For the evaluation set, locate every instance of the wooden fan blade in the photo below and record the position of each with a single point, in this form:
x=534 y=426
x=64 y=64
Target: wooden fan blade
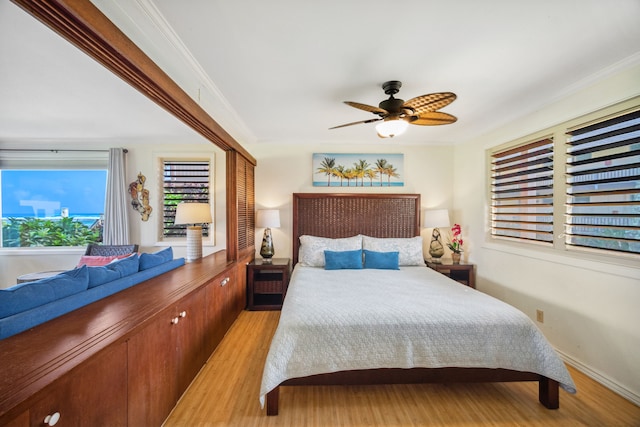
x=365 y=107
x=431 y=102
x=356 y=123
x=433 y=118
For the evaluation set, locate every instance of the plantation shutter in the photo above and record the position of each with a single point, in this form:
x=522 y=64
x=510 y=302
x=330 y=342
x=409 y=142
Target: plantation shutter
x=603 y=185
x=183 y=181
x=522 y=192
x=246 y=204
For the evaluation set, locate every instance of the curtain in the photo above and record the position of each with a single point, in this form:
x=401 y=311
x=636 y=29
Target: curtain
x=116 y=226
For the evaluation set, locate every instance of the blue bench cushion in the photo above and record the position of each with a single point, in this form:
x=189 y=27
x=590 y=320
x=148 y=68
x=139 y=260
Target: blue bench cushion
x=28 y=295
x=29 y=318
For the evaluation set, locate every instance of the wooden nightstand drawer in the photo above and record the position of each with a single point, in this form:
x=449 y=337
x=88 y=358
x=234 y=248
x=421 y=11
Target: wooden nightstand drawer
x=267 y=282
x=268 y=287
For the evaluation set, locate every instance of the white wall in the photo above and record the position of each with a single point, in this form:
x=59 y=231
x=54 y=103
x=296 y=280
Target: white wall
x=284 y=169
x=141 y=158
x=146 y=159
x=590 y=306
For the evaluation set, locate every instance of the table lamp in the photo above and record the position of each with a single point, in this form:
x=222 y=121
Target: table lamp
x=267 y=218
x=194 y=215
x=434 y=219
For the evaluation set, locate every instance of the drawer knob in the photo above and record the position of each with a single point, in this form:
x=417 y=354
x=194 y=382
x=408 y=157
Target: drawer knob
x=52 y=419
x=183 y=314
x=175 y=320
x=224 y=281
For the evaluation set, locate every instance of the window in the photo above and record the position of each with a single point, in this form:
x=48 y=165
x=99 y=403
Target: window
x=52 y=207
x=52 y=197
x=522 y=192
x=603 y=185
x=590 y=204
x=183 y=180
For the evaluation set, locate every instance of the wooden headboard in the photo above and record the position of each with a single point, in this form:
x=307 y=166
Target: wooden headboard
x=345 y=215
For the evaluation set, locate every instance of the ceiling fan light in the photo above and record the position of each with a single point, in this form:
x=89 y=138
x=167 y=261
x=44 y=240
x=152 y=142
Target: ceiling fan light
x=392 y=127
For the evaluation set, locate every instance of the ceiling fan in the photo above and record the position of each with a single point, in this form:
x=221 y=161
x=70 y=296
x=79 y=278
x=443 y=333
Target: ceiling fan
x=395 y=114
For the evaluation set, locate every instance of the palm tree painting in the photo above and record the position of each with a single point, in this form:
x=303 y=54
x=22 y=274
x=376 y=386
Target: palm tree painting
x=358 y=170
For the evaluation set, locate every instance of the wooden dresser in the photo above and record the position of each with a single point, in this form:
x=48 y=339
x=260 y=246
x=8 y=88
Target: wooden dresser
x=126 y=359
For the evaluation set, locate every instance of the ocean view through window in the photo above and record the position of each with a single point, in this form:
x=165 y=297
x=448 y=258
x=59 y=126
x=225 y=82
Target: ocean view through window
x=57 y=207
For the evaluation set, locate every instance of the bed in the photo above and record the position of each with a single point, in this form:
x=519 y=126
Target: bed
x=394 y=323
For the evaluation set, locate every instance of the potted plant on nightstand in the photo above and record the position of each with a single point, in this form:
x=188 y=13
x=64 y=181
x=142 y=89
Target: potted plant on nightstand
x=455 y=243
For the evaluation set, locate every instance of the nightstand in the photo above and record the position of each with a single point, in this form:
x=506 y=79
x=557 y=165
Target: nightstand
x=267 y=282
x=463 y=273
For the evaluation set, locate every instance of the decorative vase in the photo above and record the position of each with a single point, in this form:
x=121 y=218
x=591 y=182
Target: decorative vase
x=266 y=250
x=455 y=256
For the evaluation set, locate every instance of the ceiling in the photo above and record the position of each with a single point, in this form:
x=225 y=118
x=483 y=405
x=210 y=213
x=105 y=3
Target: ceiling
x=278 y=71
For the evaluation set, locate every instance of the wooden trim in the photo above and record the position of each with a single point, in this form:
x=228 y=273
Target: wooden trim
x=86 y=27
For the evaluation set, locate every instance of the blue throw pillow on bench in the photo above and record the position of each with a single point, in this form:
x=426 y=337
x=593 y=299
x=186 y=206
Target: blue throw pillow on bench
x=125 y=266
x=101 y=275
x=28 y=295
x=343 y=260
x=151 y=260
x=381 y=260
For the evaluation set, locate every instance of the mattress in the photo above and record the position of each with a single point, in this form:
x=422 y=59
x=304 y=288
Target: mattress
x=339 y=320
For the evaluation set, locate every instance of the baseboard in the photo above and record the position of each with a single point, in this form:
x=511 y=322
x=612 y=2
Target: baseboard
x=600 y=378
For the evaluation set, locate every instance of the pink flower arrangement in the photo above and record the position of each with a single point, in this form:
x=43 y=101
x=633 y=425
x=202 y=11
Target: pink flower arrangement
x=456 y=242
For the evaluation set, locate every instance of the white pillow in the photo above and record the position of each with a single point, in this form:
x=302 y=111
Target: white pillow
x=410 y=249
x=311 y=252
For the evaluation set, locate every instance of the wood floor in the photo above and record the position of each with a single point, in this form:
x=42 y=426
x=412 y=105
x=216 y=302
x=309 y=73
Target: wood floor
x=225 y=393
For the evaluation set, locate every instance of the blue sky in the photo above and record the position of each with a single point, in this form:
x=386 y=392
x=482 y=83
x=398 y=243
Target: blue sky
x=48 y=191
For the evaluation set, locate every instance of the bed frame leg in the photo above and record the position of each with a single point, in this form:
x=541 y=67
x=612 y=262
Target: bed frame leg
x=548 y=393
x=272 y=401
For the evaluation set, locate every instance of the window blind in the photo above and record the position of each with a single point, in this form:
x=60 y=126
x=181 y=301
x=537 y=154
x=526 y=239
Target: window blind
x=603 y=185
x=53 y=159
x=183 y=181
x=522 y=192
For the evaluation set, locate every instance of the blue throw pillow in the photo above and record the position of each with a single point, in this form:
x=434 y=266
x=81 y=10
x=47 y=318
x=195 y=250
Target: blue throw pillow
x=125 y=266
x=151 y=260
x=26 y=296
x=343 y=260
x=101 y=275
x=381 y=260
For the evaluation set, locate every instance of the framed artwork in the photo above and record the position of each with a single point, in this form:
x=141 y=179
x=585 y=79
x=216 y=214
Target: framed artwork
x=358 y=170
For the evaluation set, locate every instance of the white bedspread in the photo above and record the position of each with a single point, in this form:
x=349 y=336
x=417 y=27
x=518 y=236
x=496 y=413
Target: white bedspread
x=341 y=320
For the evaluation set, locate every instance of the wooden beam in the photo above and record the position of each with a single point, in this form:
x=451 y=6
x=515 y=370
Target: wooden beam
x=86 y=27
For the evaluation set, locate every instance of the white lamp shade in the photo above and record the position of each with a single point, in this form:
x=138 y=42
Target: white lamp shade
x=193 y=213
x=268 y=218
x=391 y=128
x=436 y=218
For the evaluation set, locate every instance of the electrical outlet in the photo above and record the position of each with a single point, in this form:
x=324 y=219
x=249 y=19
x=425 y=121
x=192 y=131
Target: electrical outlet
x=540 y=316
